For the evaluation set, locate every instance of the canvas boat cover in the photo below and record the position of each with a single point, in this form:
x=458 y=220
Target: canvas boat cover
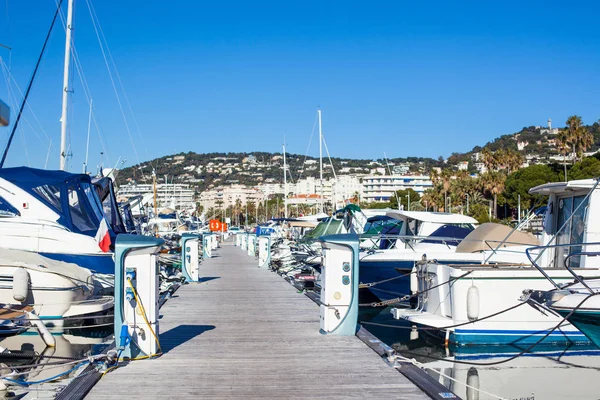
x=489 y=235
x=35 y=261
x=323 y=229
x=302 y=224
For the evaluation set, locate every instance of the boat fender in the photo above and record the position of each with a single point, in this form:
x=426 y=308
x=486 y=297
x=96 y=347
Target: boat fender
x=414 y=281
x=473 y=303
x=20 y=284
x=473 y=384
x=42 y=329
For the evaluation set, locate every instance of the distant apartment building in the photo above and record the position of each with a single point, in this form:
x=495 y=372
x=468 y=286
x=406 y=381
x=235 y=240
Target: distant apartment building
x=225 y=196
x=178 y=196
x=345 y=187
x=381 y=188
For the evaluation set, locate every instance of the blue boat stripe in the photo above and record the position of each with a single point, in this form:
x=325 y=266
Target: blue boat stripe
x=516 y=332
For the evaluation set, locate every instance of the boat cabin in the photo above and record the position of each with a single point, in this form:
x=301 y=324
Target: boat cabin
x=572 y=209
x=61 y=197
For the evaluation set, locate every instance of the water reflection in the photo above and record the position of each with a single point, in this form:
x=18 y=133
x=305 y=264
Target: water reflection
x=549 y=372
x=28 y=349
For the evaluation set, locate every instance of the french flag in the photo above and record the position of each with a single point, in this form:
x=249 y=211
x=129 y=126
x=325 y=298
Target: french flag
x=103 y=237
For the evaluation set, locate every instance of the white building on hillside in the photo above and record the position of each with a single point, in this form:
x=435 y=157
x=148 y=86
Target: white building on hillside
x=381 y=188
x=176 y=195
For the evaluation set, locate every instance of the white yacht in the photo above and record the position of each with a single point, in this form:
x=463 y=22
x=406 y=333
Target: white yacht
x=479 y=303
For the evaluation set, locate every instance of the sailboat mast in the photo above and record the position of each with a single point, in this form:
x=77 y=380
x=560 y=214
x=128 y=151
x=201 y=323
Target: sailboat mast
x=65 y=95
x=320 y=161
x=285 y=189
x=87 y=145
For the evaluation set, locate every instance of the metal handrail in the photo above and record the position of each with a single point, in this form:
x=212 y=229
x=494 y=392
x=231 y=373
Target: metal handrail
x=567 y=267
x=584 y=202
x=441 y=239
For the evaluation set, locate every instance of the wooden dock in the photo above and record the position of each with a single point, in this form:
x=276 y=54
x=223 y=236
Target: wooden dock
x=245 y=333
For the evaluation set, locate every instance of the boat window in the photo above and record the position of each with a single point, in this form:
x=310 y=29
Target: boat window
x=577 y=229
x=81 y=219
x=6 y=209
x=92 y=197
x=50 y=194
x=573 y=231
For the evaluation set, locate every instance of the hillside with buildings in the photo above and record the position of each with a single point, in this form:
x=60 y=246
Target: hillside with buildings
x=221 y=180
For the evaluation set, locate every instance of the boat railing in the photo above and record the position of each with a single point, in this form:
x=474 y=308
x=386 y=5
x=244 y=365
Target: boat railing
x=410 y=240
x=566 y=265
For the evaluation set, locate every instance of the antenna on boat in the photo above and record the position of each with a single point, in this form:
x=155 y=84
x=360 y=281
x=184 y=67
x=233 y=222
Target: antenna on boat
x=65 y=95
x=390 y=172
x=285 y=191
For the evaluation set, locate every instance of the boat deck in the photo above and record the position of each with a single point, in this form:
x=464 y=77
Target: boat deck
x=245 y=333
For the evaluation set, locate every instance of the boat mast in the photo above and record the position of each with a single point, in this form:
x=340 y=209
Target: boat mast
x=320 y=161
x=87 y=145
x=154 y=189
x=285 y=189
x=65 y=95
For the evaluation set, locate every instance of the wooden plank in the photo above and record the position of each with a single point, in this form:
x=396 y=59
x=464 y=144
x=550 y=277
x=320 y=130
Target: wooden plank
x=244 y=332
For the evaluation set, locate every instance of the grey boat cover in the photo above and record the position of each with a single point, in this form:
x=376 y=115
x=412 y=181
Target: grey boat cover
x=35 y=261
x=489 y=235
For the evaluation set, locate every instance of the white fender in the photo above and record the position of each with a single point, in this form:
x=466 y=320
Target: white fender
x=414 y=281
x=473 y=303
x=20 y=284
x=42 y=329
x=473 y=381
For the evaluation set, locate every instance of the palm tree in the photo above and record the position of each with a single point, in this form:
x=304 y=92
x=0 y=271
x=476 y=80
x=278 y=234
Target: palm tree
x=512 y=160
x=434 y=175
x=432 y=199
x=489 y=160
x=492 y=182
x=446 y=183
x=577 y=136
x=563 y=147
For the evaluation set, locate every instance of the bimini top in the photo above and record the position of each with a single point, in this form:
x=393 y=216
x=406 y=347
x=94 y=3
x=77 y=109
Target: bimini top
x=563 y=187
x=428 y=216
x=69 y=196
x=26 y=177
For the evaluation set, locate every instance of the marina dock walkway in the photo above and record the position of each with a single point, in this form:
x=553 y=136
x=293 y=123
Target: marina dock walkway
x=245 y=333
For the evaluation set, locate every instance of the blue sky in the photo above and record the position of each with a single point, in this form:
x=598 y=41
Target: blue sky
x=404 y=78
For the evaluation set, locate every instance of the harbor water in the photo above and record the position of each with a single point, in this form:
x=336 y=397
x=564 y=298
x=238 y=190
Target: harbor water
x=33 y=370
x=492 y=372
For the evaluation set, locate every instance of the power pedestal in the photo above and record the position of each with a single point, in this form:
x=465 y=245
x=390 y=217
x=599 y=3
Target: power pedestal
x=190 y=256
x=339 y=285
x=206 y=246
x=251 y=244
x=136 y=295
x=264 y=251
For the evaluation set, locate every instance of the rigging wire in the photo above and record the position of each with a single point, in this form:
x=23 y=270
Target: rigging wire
x=10 y=82
x=133 y=117
x=86 y=89
x=13 y=101
x=112 y=80
x=16 y=124
x=308 y=147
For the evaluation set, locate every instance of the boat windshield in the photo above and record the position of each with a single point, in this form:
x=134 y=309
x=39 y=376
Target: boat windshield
x=90 y=193
x=7 y=209
x=50 y=194
x=82 y=220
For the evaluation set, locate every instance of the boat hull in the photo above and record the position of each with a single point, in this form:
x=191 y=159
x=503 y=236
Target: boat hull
x=500 y=318
x=100 y=263
x=588 y=322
